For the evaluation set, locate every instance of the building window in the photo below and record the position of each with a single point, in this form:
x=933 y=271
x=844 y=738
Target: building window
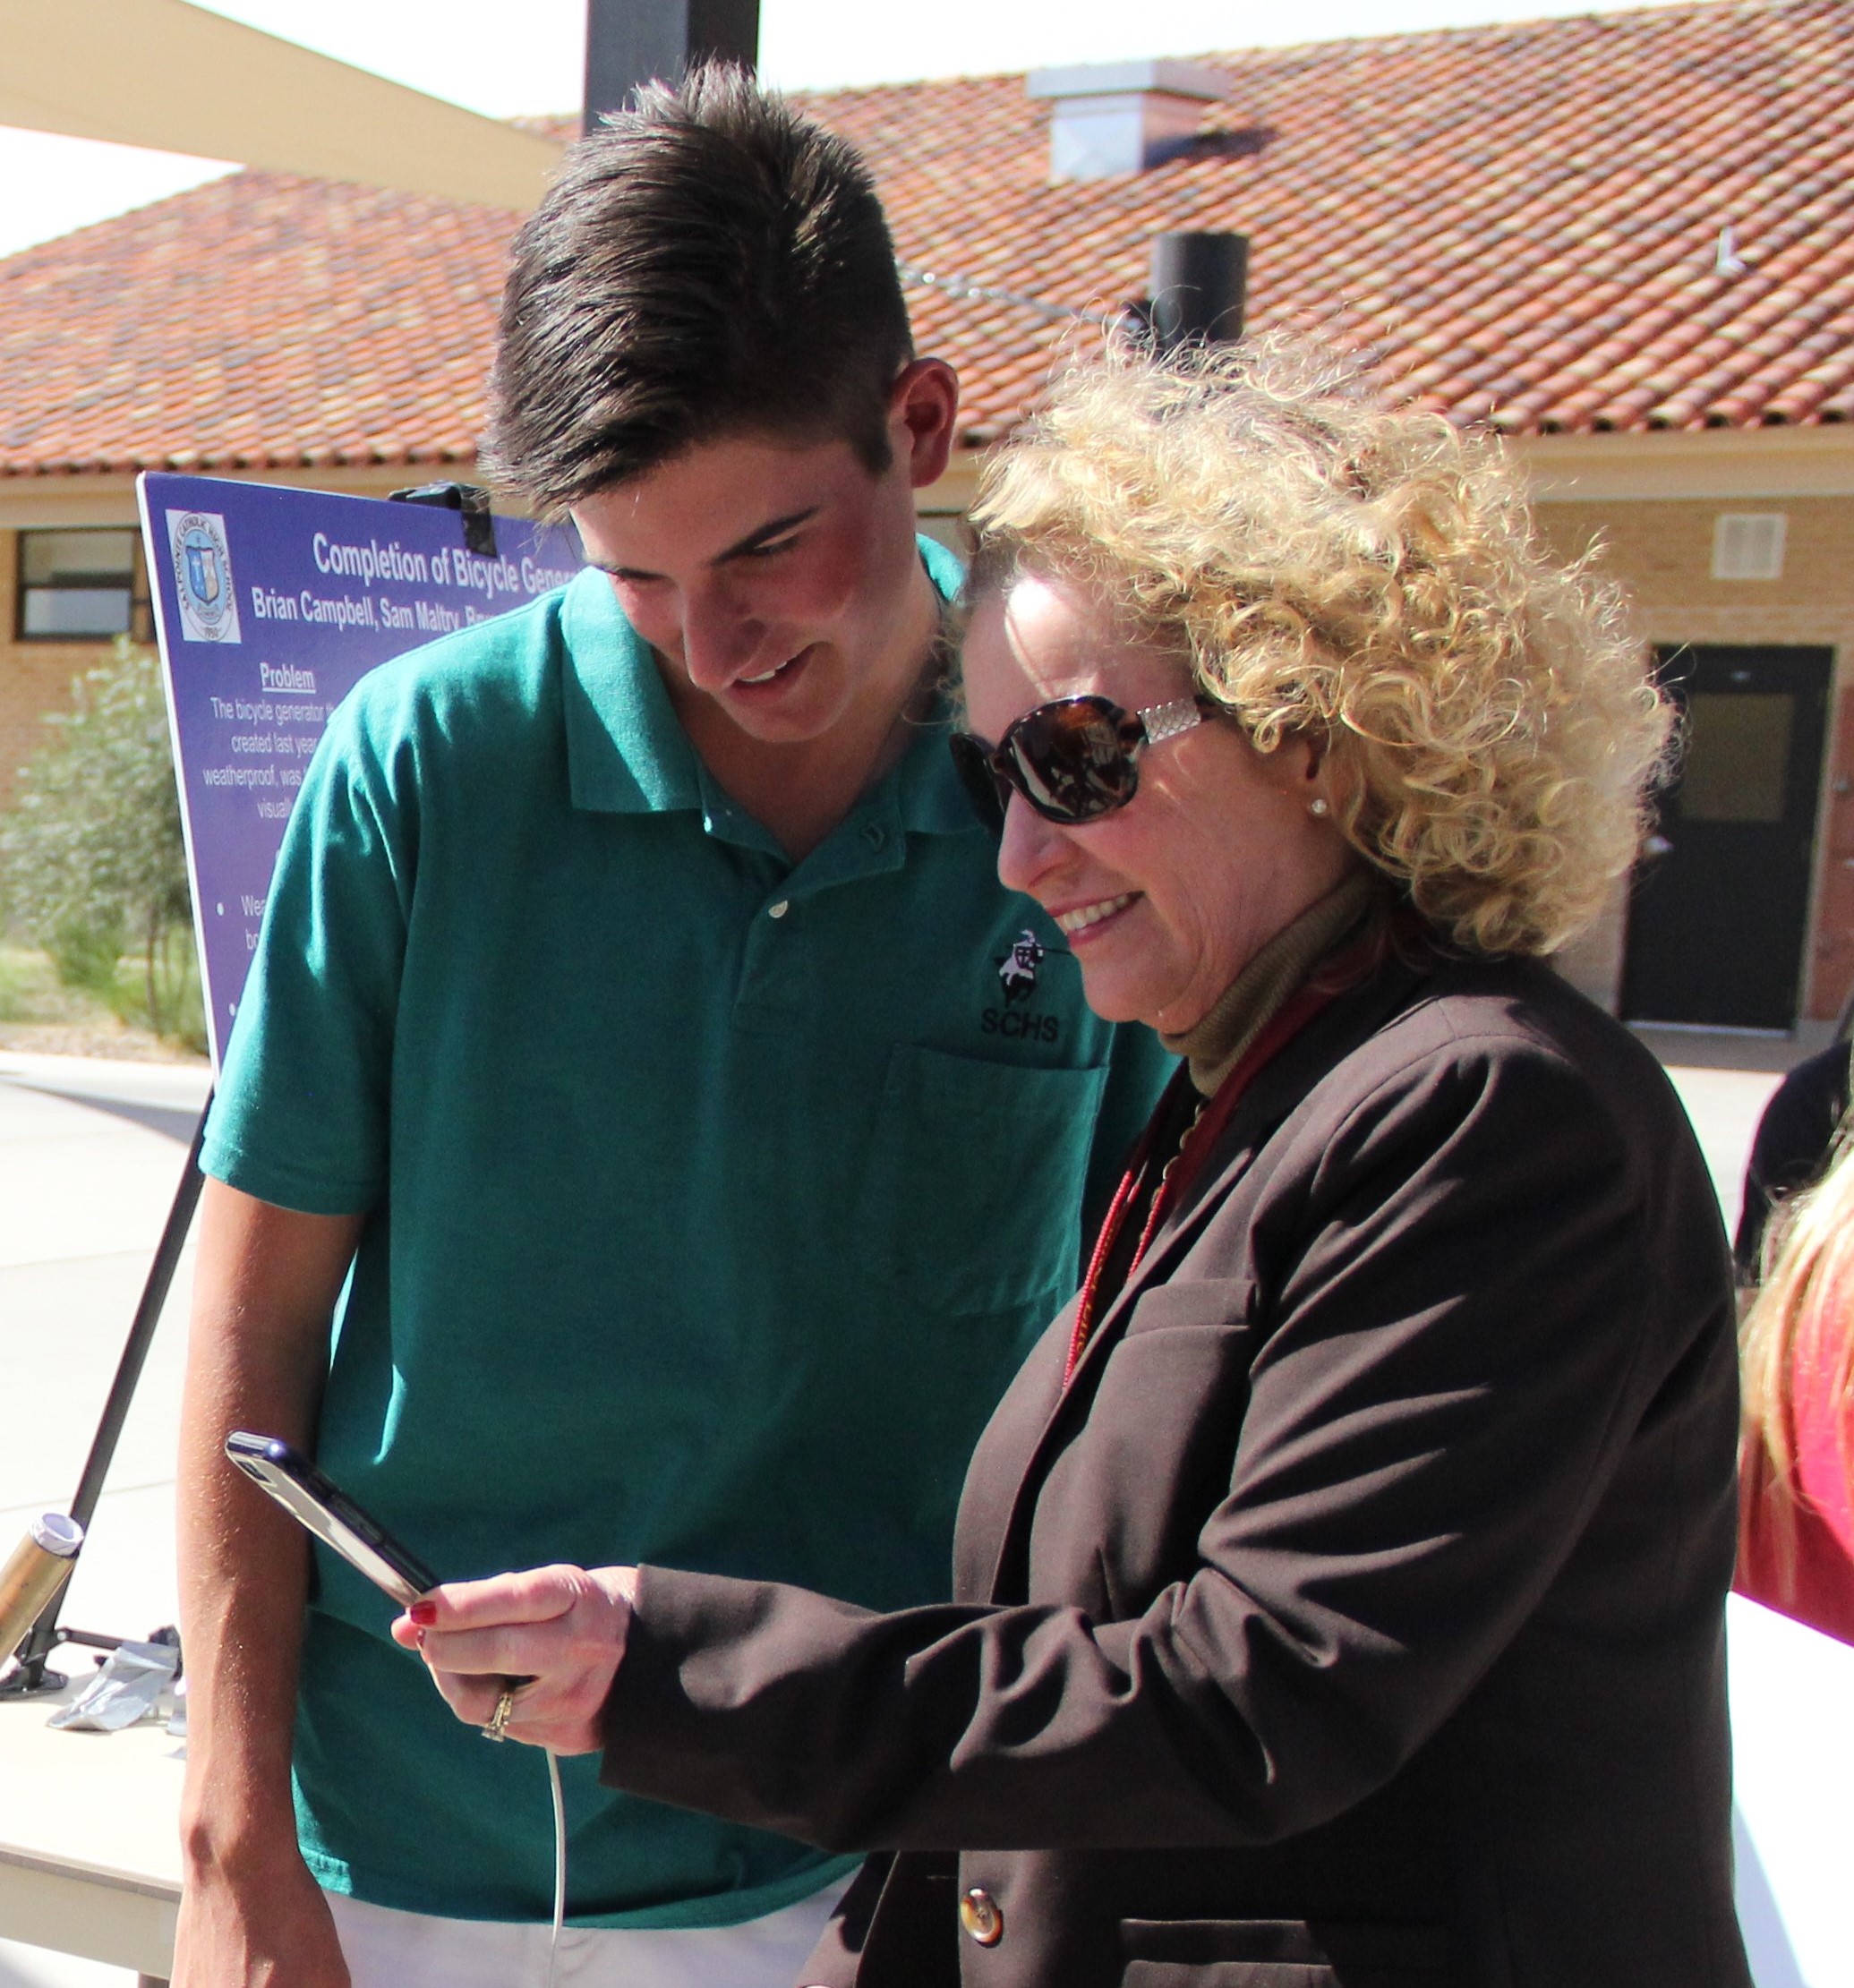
x=81 y=586
x=1748 y=545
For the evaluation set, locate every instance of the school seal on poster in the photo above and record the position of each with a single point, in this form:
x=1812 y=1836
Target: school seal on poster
x=202 y=576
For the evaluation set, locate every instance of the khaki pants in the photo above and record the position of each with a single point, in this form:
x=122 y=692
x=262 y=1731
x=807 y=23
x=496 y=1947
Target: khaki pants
x=408 y=1949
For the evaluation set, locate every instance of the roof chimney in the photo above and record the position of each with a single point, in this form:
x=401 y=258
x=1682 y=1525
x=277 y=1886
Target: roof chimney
x=629 y=42
x=1122 y=117
x=1200 y=284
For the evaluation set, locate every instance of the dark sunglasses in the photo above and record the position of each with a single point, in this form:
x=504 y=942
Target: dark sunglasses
x=1073 y=759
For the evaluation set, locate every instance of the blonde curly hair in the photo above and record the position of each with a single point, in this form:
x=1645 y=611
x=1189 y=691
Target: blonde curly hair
x=1800 y=1326
x=1369 y=575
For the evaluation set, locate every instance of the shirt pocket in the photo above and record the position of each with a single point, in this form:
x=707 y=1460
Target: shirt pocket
x=1281 y=1953
x=971 y=1201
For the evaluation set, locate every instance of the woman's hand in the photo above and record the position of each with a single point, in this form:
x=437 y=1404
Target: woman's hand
x=563 y=1628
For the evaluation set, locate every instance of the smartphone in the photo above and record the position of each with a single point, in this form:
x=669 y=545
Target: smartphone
x=334 y=1517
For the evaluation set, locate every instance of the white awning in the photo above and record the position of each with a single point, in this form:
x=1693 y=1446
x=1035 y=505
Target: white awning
x=174 y=77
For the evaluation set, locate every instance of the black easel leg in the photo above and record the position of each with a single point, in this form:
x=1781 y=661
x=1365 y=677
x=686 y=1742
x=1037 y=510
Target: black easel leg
x=31 y=1674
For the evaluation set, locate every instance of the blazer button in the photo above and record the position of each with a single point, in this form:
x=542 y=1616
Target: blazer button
x=982 y=1916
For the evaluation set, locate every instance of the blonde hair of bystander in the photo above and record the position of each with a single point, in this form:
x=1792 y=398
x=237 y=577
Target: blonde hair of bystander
x=1798 y=1335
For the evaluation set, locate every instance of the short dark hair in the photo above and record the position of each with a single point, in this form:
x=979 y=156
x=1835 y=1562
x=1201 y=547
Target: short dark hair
x=709 y=263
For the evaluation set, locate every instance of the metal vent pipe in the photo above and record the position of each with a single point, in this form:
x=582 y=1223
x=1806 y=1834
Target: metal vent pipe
x=628 y=42
x=1200 y=284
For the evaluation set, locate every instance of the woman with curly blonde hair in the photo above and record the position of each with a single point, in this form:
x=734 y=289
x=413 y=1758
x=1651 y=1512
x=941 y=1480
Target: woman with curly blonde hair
x=1796 y=1463
x=1339 y=1588
x=1371 y=576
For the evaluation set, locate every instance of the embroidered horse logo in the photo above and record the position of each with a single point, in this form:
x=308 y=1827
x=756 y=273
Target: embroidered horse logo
x=1017 y=969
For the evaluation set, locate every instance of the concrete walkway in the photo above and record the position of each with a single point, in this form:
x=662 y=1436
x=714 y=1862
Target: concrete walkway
x=90 y=1156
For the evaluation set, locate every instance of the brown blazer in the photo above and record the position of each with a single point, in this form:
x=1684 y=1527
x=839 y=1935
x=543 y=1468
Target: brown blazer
x=1355 y=1617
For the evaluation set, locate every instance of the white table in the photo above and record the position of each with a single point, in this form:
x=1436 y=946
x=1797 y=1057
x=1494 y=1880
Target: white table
x=1792 y=1729
x=89 y=1845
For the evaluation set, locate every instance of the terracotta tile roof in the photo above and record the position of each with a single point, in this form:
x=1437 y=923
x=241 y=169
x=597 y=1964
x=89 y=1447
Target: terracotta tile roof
x=261 y=321
x=1516 y=223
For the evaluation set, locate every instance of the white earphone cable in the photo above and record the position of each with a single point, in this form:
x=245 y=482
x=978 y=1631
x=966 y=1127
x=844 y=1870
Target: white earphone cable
x=560 y=1863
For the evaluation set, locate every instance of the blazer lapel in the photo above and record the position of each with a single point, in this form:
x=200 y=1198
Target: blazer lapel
x=1278 y=1090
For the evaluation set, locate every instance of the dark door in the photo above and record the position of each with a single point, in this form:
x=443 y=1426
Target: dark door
x=1721 y=894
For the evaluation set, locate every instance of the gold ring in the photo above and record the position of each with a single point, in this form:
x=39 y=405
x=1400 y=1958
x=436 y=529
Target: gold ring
x=498 y=1727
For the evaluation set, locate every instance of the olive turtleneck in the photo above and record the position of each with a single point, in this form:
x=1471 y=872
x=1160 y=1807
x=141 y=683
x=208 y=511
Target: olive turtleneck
x=1252 y=999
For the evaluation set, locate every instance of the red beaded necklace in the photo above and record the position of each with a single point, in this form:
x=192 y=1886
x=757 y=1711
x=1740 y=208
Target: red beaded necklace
x=1212 y=1117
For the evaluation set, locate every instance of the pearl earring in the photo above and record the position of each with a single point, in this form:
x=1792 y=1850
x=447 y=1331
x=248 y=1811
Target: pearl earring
x=1317 y=805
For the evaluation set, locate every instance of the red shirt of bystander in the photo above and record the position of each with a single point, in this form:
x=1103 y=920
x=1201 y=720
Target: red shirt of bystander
x=1818 y=1588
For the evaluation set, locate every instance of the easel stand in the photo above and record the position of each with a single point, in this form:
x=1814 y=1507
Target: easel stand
x=30 y=1676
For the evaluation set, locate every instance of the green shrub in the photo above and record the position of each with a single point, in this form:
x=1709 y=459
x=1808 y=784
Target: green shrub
x=92 y=867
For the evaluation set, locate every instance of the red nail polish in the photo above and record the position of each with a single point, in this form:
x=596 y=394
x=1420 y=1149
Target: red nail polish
x=424 y=1613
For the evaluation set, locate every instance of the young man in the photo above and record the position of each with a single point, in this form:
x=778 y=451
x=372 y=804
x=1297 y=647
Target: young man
x=641 y=1070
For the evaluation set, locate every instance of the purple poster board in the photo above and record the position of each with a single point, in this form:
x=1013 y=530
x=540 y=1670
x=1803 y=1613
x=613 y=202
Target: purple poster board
x=270 y=605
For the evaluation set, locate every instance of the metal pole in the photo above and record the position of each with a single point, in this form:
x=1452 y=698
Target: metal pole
x=628 y=42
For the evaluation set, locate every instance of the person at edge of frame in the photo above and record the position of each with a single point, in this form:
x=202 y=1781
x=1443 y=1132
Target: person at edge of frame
x=642 y=1073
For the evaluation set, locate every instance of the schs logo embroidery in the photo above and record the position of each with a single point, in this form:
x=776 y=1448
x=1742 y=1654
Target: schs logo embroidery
x=202 y=576
x=1017 y=976
x=1017 y=971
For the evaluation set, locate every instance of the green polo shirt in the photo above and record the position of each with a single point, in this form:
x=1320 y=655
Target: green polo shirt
x=713 y=1200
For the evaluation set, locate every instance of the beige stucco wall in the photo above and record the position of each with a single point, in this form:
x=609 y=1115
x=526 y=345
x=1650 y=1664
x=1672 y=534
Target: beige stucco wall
x=1662 y=551
x=1663 y=554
